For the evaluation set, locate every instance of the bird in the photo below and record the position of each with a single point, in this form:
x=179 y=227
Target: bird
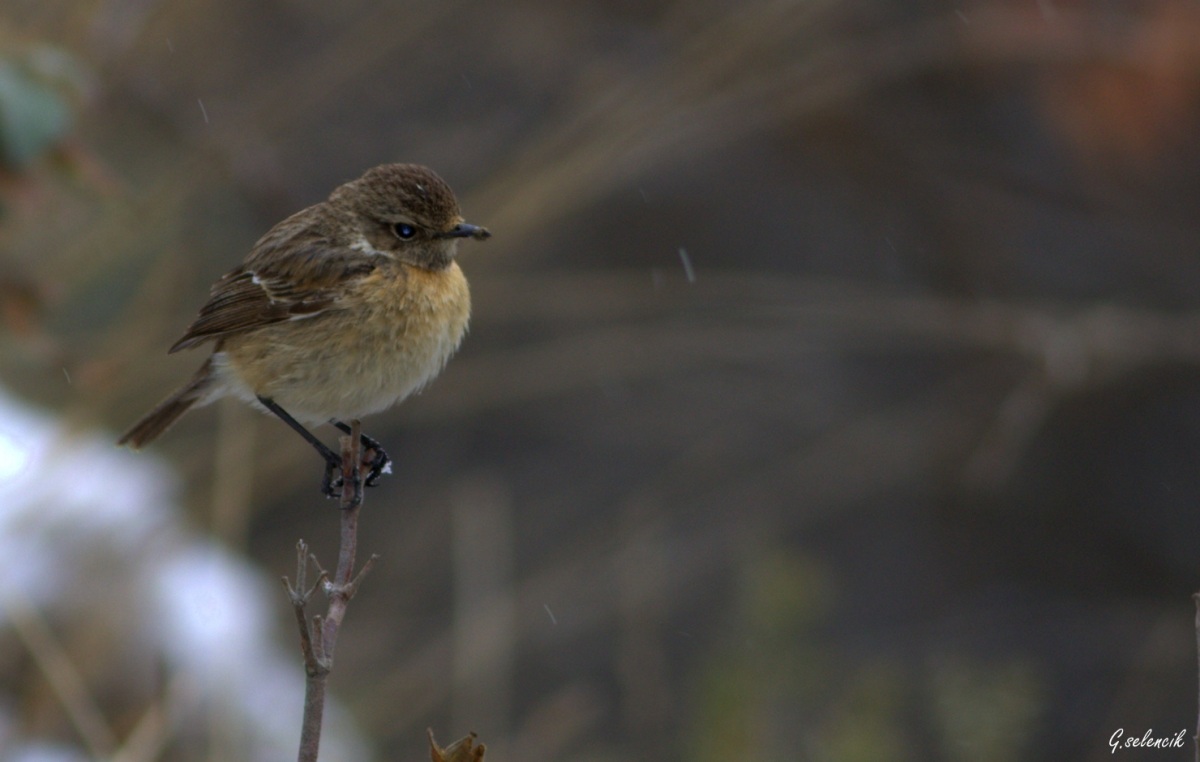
x=341 y=310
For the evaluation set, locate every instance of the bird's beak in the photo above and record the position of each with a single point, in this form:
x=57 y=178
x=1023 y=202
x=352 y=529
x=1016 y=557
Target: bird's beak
x=465 y=230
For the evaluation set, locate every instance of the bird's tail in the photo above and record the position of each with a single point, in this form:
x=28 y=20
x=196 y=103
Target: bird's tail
x=162 y=417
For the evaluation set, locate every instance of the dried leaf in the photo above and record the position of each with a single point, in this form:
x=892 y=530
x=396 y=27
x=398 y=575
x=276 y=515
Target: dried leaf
x=462 y=750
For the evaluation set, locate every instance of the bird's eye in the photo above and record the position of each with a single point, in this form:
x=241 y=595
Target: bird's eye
x=404 y=231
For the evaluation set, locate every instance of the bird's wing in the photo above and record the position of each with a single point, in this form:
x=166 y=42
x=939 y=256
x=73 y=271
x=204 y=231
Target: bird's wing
x=298 y=284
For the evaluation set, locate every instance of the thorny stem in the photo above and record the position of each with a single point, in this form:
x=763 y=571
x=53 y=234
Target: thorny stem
x=318 y=638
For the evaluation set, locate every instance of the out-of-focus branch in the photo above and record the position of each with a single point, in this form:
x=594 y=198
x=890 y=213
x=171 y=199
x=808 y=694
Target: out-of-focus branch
x=773 y=320
x=64 y=679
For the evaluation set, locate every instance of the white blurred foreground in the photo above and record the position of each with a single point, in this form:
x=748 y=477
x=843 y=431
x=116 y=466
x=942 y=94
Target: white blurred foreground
x=145 y=640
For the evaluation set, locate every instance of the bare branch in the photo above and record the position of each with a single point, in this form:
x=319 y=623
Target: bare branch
x=318 y=641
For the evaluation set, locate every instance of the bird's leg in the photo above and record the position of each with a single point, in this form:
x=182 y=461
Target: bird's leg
x=333 y=461
x=380 y=462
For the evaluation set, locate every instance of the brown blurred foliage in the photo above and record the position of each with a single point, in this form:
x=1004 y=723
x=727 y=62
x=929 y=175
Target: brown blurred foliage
x=463 y=750
x=832 y=380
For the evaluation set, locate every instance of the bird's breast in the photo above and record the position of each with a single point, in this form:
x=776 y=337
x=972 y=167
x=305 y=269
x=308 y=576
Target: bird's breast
x=390 y=336
x=414 y=318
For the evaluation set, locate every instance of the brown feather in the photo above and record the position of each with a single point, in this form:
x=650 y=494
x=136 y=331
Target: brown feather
x=164 y=415
x=247 y=299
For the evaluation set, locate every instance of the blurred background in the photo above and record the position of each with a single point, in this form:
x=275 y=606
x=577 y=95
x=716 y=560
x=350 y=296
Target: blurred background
x=832 y=390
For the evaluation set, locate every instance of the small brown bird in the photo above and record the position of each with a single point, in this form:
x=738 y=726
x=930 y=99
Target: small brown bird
x=341 y=310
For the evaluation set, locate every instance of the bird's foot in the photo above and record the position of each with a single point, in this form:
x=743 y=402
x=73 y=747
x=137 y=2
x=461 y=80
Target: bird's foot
x=375 y=458
x=332 y=482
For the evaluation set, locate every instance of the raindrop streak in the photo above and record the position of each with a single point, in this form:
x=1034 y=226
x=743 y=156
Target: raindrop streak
x=553 y=621
x=687 y=265
x=203 y=111
x=68 y=375
x=170 y=47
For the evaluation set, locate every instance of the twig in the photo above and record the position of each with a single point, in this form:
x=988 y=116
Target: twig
x=318 y=638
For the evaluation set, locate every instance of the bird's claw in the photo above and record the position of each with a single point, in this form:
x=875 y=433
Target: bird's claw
x=378 y=465
x=376 y=461
x=332 y=487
